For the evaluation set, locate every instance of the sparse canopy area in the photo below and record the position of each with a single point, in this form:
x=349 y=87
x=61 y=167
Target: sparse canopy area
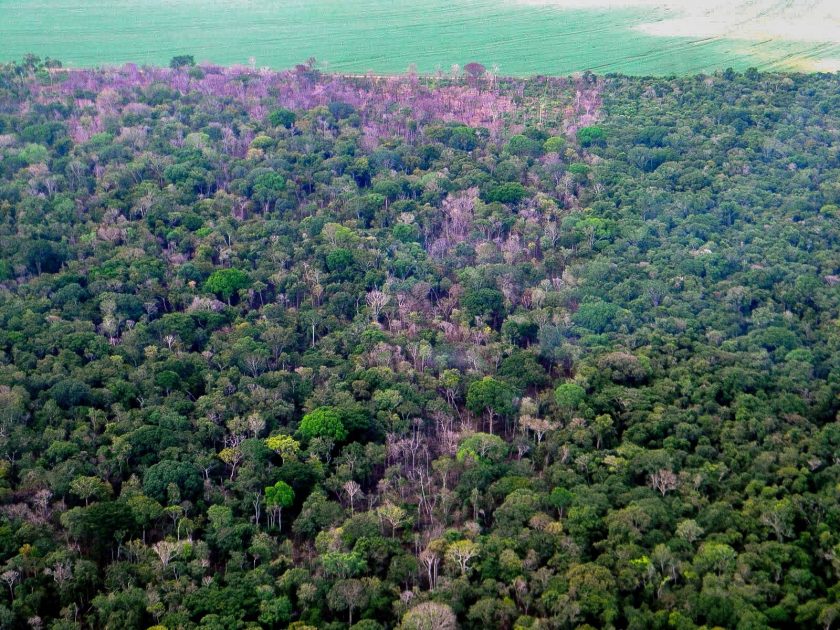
x=308 y=351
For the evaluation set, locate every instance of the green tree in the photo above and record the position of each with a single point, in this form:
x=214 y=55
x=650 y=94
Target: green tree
x=277 y=497
x=285 y=446
x=463 y=138
x=324 y=422
x=516 y=510
x=560 y=499
x=487 y=304
x=569 y=397
x=555 y=144
x=342 y=565
x=589 y=136
x=181 y=61
x=157 y=479
x=492 y=398
x=88 y=488
x=227 y=282
x=524 y=146
x=276 y=611
x=593 y=588
x=509 y=192
x=43 y=256
x=482 y=447
x=267 y=188
x=145 y=511
x=282 y=118
x=597 y=316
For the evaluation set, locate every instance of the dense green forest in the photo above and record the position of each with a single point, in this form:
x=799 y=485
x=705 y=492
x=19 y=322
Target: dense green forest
x=289 y=349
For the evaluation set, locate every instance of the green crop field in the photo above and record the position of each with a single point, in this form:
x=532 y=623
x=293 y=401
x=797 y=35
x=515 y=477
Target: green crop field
x=383 y=36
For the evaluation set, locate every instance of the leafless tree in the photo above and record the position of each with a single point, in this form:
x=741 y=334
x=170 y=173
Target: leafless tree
x=352 y=490
x=376 y=301
x=165 y=551
x=11 y=578
x=663 y=481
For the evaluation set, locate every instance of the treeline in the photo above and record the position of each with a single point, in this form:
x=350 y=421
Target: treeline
x=299 y=350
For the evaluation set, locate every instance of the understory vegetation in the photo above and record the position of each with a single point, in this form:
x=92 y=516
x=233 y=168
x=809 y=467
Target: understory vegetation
x=301 y=350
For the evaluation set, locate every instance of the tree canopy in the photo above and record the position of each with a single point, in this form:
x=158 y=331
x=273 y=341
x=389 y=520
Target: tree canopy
x=294 y=349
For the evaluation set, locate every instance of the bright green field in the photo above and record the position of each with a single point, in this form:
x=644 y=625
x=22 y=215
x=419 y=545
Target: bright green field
x=384 y=36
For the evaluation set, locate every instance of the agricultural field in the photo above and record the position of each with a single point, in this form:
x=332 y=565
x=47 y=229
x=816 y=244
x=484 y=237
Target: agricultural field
x=519 y=37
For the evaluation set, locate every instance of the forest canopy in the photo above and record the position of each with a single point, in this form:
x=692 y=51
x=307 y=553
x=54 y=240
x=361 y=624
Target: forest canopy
x=292 y=349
